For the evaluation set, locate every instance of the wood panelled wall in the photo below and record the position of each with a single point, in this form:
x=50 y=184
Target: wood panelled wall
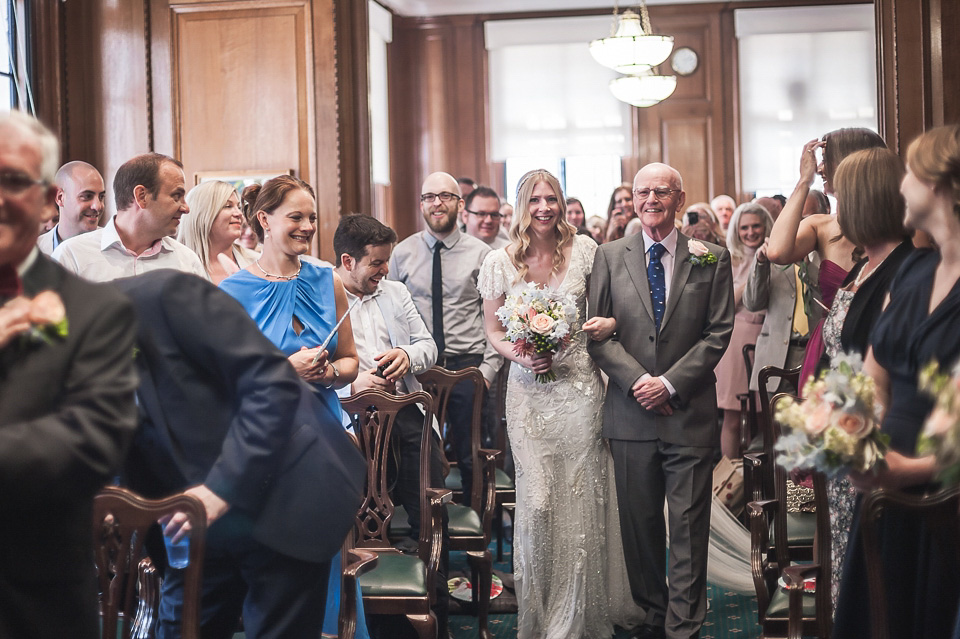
x=229 y=85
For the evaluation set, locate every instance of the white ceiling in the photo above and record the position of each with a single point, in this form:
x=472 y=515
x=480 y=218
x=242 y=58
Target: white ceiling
x=459 y=7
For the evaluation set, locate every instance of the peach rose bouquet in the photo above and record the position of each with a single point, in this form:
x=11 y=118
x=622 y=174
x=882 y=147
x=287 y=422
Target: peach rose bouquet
x=836 y=428
x=538 y=320
x=941 y=431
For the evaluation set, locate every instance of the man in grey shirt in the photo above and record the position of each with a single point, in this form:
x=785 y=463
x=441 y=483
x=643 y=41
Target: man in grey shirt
x=440 y=266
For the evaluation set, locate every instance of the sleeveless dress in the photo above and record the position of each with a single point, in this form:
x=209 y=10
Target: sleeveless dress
x=273 y=305
x=830 y=279
x=920 y=571
x=570 y=573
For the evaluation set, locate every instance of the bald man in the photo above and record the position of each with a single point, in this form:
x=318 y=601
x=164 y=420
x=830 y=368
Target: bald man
x=723 y=206
x=80 y=197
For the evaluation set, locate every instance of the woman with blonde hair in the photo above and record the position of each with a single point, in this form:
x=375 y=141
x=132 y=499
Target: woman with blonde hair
x=571 y=577
x=212 y=229
x=749 y=227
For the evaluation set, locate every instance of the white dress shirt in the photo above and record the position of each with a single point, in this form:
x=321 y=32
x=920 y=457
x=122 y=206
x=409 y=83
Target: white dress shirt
x=100 y=256
x=668 y=259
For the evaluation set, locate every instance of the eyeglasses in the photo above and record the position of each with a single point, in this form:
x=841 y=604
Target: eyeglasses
x=495 y=216
x=657 y=193
x=446 y=196
x=16 y=183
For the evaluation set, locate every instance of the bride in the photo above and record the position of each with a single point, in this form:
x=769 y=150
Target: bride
x=571 y=578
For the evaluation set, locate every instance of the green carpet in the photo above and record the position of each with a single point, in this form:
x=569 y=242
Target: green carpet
x=729 y=615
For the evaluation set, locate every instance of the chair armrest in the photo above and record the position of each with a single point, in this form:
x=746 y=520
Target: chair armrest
x=489 y=498
x=762 y=572
x=359 y=562
x=756 y=460
x=431 y=548
x=794 y=576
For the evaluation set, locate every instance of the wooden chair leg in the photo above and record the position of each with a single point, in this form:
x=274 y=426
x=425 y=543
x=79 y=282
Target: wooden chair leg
x=482 y=568
x=425 y=625
x=498 y=525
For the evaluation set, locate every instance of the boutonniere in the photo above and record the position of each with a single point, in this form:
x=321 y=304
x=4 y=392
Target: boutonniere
x=700 y=255
x=48 y=318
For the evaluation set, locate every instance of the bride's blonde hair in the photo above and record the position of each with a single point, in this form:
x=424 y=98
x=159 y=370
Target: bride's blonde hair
x=520 y=229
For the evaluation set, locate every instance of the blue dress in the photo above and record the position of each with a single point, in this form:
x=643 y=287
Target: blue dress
x=273 y=305
x=920 y=573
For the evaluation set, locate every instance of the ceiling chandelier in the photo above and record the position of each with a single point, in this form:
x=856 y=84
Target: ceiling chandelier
x=634 y=50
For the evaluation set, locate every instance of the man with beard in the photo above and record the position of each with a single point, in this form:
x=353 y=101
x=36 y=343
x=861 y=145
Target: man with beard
x=80 y=196
x=439 y=266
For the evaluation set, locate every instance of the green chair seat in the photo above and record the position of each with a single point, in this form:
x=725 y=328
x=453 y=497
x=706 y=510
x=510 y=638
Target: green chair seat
x=463 y=522
x=755 y=445
x=800 y=529
x=779 y=607
x=502 y=480
x=396 y=575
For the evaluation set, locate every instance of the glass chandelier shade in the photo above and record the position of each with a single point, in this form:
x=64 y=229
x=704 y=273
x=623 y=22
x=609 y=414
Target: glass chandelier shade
x=633 y=48
x=643 y=90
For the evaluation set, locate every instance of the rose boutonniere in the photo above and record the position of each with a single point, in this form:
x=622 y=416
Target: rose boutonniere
x=48 y=318
x=700 y=255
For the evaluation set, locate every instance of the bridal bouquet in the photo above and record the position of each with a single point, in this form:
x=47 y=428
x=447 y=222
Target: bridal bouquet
x=941 y=432
x=538 y=320
x=836 y=428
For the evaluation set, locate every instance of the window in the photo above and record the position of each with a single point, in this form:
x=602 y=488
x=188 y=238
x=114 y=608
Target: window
x=804 y=71
x=551 y=106
x=7 y=57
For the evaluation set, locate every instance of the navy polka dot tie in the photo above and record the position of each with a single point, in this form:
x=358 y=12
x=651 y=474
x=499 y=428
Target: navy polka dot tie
x=658 y=285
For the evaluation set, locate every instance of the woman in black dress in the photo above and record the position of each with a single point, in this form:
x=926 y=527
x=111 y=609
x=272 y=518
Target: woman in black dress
x=920 y=324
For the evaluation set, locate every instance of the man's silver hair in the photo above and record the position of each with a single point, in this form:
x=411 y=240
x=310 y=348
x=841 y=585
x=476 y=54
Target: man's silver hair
x=49 y=145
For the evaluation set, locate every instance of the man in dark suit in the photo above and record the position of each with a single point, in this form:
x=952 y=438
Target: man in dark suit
x=67 y=408
x=225 y=418
x=660 y=413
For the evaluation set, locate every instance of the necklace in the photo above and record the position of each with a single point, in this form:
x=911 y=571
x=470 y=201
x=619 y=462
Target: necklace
x=282 y=277
x=864 y=273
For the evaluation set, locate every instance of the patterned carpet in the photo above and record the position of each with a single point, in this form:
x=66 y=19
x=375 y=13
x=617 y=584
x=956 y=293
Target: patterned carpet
x=730 y=616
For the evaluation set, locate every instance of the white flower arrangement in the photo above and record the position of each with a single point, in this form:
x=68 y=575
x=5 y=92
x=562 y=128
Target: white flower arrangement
x=538 y=320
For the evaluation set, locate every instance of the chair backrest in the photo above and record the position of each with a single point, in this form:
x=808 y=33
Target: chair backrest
x=121 y=520
x=779 y=483
x=373 y=414
x=938 y=509
x=439 y=382
x=749 y=352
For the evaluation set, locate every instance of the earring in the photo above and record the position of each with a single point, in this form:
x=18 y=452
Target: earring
x=266 y=233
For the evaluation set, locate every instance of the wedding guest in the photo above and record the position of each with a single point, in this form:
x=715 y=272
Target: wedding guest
x=248 y=238
x=723 y=206
x=794 y=237
x=870 y=214
x=748 y=228
x=597 y=226
x=700 y=223
x=772 y=205
x=212 y=229
x=919 y=325
x=619 y=211
x=80 y=199
x=506 y=215
x=816 y=204
x=296 y=302
x=481 y=217
x=571 y=578
x=575 y=214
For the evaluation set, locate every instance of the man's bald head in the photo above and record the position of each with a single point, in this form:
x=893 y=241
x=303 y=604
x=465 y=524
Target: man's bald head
x=440 y=203
x=80 y=196
x=657 y=196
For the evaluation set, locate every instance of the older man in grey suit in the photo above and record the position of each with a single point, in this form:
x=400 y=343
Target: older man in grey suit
x=660 y=413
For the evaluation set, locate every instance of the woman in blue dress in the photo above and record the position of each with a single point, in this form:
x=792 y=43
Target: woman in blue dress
x=296 y=302
x=918 y=326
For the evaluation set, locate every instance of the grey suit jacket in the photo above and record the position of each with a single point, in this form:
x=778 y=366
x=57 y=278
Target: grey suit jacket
x=694 y=333
x=773 y=288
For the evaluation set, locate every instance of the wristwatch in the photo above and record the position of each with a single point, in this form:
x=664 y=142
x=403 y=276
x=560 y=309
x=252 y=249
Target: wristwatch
x=336 y=375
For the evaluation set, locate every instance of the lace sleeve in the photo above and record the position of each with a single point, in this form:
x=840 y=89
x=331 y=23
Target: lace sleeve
x=586 y=248
x=492 y=281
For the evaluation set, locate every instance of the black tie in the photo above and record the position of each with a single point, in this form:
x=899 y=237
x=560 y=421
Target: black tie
x=9 y=282
x=437 y=292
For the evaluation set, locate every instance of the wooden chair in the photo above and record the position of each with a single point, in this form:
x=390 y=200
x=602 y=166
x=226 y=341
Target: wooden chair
x=751 y=436
x=469 y=526
x=938 y=509
x=506 y=487
x=400 y=584
x=357 y=563
x=769 y=519
x=121 y=519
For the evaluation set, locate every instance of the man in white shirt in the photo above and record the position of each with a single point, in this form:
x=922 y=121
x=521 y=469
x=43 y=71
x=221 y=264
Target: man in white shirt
x=80 y=196
x=440 y=267
x=149 y=191
x=393 y=345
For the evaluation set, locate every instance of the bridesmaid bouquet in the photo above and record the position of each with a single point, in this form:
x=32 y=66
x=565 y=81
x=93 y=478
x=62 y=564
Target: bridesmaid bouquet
x=836 y=429
x=538 y=320
x=941 y=431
